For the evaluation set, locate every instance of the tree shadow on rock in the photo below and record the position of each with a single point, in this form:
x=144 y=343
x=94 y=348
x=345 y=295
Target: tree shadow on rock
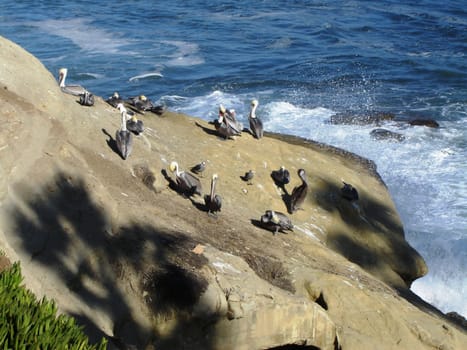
x=61 y=228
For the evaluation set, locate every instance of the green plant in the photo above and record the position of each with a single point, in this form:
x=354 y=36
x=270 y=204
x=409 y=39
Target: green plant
x=28 y=323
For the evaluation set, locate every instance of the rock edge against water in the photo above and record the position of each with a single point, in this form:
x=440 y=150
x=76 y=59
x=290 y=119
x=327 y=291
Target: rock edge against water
x=134 y=261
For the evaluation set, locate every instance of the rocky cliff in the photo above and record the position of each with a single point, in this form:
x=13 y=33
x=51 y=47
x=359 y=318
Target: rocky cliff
x=117 y=247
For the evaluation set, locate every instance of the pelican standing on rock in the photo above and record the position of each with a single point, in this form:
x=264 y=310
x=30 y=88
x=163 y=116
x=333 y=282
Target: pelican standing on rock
x=75 y=90
x=226 y=128
x=276 y=221
x=299 y=193
x=132 y=123
x=256 y=125
x=187 y=183
x=230 y=117
x=213 y=201
x=123 y=137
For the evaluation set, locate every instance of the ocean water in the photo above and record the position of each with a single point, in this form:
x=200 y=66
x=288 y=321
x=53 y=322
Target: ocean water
x=304 y=61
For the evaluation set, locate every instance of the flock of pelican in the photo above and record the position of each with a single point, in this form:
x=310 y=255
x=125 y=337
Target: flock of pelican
x=187 y=183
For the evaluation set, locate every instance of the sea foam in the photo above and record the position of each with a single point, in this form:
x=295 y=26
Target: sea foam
x=83 y=34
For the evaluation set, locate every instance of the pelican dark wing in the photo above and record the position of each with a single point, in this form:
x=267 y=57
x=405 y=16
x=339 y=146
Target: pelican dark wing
x=124 y=142
x=230 y=117
x=225 y=128
x=276 y=221
x=299 y=193
x=134 y=125
x=187 y=183
x=213 y=201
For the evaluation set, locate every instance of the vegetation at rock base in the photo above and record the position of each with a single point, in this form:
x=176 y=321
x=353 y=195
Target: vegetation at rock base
x=28 y=323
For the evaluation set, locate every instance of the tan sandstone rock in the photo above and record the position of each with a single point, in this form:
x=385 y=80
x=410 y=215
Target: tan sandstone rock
x=134 y=261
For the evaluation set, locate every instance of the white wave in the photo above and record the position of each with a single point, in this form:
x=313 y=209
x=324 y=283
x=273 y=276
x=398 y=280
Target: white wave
x=145 y=75
x=186 y=54
x=83 y=34
x=282 y=43
x=207 y=107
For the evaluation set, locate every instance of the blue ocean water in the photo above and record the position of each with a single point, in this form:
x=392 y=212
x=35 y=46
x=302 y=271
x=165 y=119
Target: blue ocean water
x=304 y=61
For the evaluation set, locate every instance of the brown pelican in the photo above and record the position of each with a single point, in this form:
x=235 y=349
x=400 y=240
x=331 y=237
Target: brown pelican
x=123 y=137
x=230 y=117
x=132 y=123
x=213 y=201
x=86 y=99
x=225 y=128
x=143 y=104
x=187 y=183
x=256 y=125
x=349 y=192
x=135 y=125
x=114 y=100
x=298 y=193
x=248 y=176
x=281 y=177
x=276 y=221
x=75 y=90
x=199 y=168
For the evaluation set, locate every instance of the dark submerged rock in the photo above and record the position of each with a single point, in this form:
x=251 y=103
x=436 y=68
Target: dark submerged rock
x=369 y=118
x=431 y=123
x=385 y=134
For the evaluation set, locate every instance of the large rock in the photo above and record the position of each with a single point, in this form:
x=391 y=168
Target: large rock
x=113 y=243
x=248 y=312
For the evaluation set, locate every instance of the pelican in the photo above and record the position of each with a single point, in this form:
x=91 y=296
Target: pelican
x=225 y=128
x=349 y=192
x=143 y=104
x=276 y=221
x=281 y=177
x=230 y=117
x=213 y=201
x=299 y=193
x=86 y=99
x=248 y=176
x=256 y=125
x=134 y=125
x=114 y=100
x=199 y=168
x=75 y=90
x=187 y=183
x=123 y=137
